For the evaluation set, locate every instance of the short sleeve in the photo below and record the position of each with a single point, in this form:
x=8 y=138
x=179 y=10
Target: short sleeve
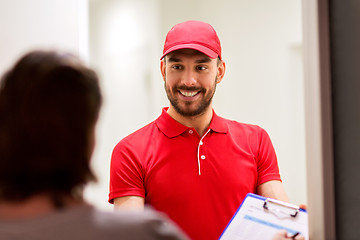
x=267 y=165
x=126 y=172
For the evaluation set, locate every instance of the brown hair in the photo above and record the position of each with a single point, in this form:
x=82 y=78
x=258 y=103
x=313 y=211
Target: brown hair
x=49 y=104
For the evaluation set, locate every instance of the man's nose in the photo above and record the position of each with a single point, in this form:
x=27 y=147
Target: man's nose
x=189 y=79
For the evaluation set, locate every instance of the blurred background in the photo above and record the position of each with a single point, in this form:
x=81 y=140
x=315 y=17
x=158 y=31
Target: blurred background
x=122 y=40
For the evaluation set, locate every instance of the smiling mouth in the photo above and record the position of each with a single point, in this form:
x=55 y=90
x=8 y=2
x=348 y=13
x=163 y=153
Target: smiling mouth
x=188 y=93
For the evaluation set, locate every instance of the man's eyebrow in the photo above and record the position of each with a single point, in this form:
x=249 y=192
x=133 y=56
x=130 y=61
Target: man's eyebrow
x=174 y=59
x=203 y=60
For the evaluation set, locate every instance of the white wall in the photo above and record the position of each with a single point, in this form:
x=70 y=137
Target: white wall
x=26 y=25
x=263 y=83
x=122 y=37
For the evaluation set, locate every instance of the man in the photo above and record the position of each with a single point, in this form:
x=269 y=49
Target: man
x=49 y=105
x=190 y=163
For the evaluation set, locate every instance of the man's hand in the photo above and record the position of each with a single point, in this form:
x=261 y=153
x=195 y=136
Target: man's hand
x=283 y=235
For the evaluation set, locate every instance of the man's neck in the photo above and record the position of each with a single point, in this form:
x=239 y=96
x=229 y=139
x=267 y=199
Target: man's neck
x=199 y=122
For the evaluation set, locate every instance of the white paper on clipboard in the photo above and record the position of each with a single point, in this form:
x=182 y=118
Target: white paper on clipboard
x=260 y=218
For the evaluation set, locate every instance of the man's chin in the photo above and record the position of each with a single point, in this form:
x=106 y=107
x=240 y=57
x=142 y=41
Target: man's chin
x=186 y=112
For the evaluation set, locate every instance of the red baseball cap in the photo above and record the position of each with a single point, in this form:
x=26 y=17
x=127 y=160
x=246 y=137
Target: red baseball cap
x=196 y=35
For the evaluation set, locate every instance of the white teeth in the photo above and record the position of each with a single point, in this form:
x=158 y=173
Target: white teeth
x=188 y=94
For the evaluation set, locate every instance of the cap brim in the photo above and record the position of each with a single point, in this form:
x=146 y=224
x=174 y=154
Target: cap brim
x=207 y=51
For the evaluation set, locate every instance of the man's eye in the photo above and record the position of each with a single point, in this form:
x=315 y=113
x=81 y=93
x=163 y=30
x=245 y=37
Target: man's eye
x=176 y=67
x=200 y=68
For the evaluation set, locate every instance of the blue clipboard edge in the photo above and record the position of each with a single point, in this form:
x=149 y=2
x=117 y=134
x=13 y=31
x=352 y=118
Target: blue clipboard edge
x=253 y=195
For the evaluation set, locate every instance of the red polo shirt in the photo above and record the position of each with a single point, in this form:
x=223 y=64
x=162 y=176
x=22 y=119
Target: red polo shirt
x=198 y=181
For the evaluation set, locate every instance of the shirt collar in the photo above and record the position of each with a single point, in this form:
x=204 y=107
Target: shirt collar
x=218 y=124
x=171 y=128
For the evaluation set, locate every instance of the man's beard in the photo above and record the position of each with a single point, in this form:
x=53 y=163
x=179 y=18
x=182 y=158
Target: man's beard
x=201 y=107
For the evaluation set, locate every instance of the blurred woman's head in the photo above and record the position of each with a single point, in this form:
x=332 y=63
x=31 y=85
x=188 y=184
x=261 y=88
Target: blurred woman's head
x=49 y=105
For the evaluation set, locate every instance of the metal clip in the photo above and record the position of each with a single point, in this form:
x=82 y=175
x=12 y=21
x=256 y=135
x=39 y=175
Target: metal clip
x=295 y=208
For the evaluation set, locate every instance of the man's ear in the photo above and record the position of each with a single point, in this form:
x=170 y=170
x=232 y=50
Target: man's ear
x=220 y=71
x=163 y=68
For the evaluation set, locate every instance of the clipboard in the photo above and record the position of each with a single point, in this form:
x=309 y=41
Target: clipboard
x=260 y=218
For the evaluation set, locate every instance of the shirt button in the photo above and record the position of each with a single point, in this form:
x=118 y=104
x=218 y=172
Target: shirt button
x=201 y=143
x=191 y=131
x=202 y=157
